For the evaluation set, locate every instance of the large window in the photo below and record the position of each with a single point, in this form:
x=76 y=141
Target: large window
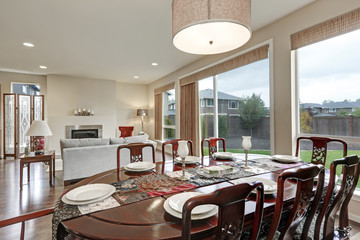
x=328 y=92
x=241 y=109
x=26 y=88
x=169 y=114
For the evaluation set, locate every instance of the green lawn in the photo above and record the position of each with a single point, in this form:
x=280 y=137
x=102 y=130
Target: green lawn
x=304 y=155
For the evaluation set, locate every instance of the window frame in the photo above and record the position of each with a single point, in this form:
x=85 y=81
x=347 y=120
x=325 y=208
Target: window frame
x=170 y=107
x=207 y=102
x=230 y=104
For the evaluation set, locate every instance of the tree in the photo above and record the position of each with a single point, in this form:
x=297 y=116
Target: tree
x=203 y=127
x=305 y=122
x=169 y=133
x=343 y=113
x=356 y=112
x=251 y=111
x=223 y=128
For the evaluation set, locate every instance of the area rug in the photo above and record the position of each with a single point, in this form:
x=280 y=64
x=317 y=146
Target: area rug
x=58 y=165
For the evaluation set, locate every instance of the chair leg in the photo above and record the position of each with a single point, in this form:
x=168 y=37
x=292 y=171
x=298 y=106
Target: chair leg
x=22 y=234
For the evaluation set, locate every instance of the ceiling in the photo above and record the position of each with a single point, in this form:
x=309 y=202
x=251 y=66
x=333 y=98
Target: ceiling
x=111 y=39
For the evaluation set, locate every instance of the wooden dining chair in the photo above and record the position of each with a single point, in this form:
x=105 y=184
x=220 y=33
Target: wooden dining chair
x=26 y=217
x=231 y=202
x=335 y=200
x=136 y=153
x=126 y=131
x=212 y=143
x=305 y=197
x=174 y=150
x=319 y=148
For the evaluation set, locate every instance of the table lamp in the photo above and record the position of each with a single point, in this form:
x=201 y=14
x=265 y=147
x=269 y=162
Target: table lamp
x=142 y=113
x=38 y=130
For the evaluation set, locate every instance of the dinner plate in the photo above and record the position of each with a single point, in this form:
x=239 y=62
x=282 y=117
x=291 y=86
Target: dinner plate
x=67 y=201
x=223 y=155
x=270 y=186
x=188 y=160
x=89 y=192
x=177 y=201
x=285 y=158
x=176 y=214
x=141 y=167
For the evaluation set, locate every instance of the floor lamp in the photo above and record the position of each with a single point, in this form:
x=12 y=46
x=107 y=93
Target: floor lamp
x=142 y=113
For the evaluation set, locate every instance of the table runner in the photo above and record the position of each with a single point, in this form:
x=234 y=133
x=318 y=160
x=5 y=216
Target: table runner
x=153 y=185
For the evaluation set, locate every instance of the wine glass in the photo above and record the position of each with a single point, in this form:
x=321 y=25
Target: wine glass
x=246 y=144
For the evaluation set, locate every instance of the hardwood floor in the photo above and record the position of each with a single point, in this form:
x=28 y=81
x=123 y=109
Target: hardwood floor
x=38 y=195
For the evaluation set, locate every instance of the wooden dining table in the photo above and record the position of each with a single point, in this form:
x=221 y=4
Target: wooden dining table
x=147 y=218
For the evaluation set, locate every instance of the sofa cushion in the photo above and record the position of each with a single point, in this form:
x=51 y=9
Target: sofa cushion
x=117 y=140
x=137 y=139
x=83 y=142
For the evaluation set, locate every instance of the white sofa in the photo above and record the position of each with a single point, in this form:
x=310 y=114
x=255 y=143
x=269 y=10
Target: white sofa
x=88 y=156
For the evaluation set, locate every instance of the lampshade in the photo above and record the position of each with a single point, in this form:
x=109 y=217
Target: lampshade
x=39 y=128
x=210 y=26
x=142 y=112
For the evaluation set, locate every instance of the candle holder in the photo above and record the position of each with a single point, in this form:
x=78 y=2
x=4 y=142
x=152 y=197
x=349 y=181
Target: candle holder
x=183 y=151
x=246 y=144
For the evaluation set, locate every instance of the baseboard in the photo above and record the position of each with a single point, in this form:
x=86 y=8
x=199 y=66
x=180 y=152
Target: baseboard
x=354 y=217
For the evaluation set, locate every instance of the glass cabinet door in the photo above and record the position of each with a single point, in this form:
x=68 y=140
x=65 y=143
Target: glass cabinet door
x=24 y=121
x=38 y=107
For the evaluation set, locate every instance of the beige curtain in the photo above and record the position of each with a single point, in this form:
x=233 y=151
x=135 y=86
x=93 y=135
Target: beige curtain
x=242 y=60
x=331 y=28
x=189 y=115
x=158 y=116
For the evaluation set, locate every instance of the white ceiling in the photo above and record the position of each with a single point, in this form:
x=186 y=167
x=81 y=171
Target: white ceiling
x=105 y=39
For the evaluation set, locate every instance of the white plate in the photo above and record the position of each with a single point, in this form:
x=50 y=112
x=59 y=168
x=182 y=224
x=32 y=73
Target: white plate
x=188 y=159
x=67 y=201
x=200 y=171
x=285 y=158
x=89 y=192
x=176 y=214
x=270 y=186
x=140 y=165
x=177 y=201
x=223 y=155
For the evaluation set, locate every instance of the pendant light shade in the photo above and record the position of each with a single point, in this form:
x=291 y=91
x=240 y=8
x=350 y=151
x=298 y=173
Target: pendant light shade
x=210 y=26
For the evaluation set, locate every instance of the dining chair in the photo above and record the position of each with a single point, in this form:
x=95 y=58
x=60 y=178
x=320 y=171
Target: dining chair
x=231 y=202
x=126 y=131
x=305 y=197
x=136 y=153
x=174 y=150
x=26 y=217
x=319 y=148
x=337 y=199
x=212 y=143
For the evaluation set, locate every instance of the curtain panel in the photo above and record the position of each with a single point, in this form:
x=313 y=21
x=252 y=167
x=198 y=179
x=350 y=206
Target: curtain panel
x=236 y=62
x=189 y=115
x=331 y=28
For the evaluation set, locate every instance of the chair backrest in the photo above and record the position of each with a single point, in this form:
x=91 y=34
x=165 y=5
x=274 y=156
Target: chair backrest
x=212 y=145
x=319 y=148
x=304 y=198
x=136 y=153
x=335 y=200
x=231 y=202
x=25 y=217
x=174 y=149
x=126 y=131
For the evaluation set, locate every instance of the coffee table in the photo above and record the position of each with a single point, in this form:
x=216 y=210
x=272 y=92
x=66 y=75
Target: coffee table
x=48 y=158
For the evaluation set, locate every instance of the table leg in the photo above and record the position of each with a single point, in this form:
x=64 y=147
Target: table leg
x=28 y=166
x=50 y=171
x=21 y=174
x=53 y=163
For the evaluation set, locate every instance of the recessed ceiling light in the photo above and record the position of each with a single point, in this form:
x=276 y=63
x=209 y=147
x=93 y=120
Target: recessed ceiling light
x=28 y=44
x=43 y=67
x=154 y=64
x=136 y=76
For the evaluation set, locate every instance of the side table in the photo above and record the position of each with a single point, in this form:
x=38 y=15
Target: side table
x=48 y=158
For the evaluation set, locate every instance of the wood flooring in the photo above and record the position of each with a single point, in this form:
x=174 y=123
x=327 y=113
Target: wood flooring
x=38 y=195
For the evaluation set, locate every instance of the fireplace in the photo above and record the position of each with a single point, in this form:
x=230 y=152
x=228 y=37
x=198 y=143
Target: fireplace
x=84 y=131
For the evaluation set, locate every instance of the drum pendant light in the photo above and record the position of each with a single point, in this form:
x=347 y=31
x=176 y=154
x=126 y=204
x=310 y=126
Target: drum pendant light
x=210 y=26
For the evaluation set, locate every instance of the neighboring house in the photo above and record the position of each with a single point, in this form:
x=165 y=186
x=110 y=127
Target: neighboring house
x=330 y=108
x=227 y=104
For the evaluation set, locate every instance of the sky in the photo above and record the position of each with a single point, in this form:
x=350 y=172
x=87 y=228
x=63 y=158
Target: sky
x=328 y=70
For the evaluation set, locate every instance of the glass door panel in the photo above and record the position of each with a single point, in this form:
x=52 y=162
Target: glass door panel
x=9 y=124
x=24 y=121
x=38 y=102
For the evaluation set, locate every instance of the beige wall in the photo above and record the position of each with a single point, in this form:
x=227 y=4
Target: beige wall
x=130 y=97
x=6 y=78
x=280 y=32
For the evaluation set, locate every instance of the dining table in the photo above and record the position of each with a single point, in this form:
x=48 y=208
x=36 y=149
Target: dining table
x=136 y=209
